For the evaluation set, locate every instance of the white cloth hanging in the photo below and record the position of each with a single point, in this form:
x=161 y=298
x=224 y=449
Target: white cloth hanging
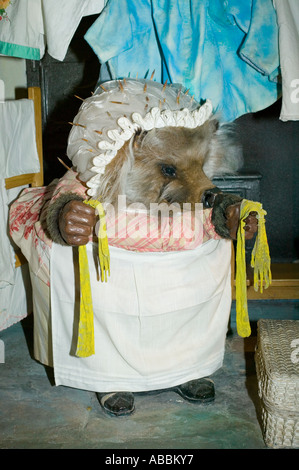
x=288 y=22
x=61 y=19
x=15 y=288
x=18 y=155
x=28 y=27
x=160 y=320
x=18 y=152
x=7 y=271
x=22 y=30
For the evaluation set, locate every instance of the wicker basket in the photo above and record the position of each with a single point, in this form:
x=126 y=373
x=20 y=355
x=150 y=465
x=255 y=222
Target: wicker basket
x=277 y=367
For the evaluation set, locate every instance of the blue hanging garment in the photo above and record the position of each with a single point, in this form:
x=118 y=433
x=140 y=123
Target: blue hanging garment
x=224 y=50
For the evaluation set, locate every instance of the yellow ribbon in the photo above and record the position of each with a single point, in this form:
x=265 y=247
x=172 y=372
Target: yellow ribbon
x=85 y=344
x=260 y=262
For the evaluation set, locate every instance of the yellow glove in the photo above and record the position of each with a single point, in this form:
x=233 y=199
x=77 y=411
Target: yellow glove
x=85 y=344
x=260 y=262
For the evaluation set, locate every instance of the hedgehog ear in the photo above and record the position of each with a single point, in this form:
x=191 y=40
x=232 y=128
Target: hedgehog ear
x=213 y=125
x=139 y=138
x=225 y=152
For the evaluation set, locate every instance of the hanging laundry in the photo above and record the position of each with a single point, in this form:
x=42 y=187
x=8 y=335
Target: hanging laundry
x=15 y=287
x=225 y=51
x=61 y=19
x=288 y=21
x=21 y=29
x=18 y=155
x=28 y=27
x=17 y=132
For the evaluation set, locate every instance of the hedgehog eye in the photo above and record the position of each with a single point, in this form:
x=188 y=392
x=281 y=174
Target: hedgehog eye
x=169 y=171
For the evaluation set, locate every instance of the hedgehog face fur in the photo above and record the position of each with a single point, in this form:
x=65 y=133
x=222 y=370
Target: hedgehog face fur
x=171 y=165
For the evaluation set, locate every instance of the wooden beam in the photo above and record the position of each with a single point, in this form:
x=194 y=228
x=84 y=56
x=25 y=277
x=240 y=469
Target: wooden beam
x=285 y=283
x=34 y=93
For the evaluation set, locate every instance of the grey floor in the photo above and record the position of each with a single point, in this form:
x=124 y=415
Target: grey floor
x=35 y=414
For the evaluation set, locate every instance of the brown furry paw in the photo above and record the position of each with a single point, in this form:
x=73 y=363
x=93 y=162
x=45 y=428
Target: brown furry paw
x=224 y=226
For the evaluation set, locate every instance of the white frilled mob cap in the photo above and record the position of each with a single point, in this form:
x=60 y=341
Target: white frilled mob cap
x=113 y=114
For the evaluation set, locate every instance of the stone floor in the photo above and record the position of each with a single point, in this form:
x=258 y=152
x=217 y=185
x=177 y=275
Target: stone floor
x=35 y=414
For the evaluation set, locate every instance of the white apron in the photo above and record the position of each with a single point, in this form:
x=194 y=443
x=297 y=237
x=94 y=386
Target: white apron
x=160 y=320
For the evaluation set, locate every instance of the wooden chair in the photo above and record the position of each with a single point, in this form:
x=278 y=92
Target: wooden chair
x=32 y=179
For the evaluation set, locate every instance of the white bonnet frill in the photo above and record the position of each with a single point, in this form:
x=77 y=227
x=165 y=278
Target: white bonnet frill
x=113 y=114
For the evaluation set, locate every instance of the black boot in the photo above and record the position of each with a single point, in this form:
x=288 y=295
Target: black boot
x=198 y=390
x=117 y=403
